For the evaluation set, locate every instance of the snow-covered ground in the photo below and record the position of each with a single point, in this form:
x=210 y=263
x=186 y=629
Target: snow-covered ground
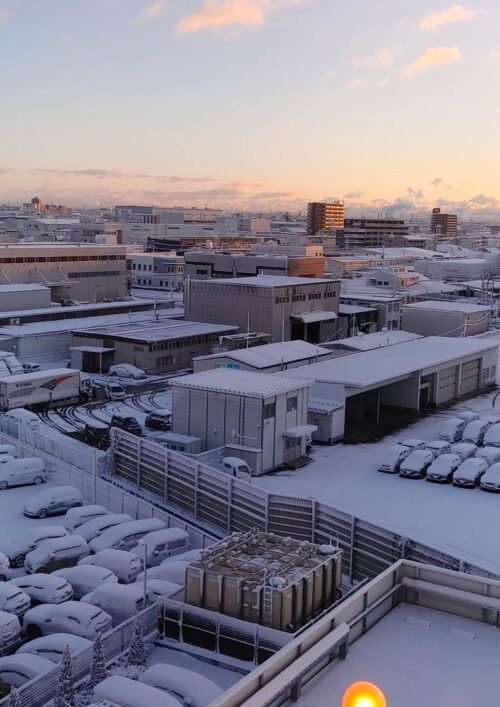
x=462 y=522
x=417 y=657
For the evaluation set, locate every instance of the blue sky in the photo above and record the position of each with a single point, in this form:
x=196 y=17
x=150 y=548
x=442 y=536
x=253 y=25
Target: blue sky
x=251 y=103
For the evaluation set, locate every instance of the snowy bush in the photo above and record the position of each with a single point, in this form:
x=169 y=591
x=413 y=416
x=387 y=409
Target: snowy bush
x=65 y=696
x=137 y=652
x=98 y=668
x=15 y=700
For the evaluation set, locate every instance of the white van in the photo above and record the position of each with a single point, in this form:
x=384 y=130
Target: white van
x=234 y=466
x=452 y=429
x=129 y=693
x=54 y=554
x=475 y=431
x=392 y=458
x=188 y=687
x=85 y=579
x=124 y=565
x=120 y=601
x=80 y=515
x=489 y=454
x=22 y=417
x=161 y=544
x=125 y=535
x=10 y=630
x=22 y=472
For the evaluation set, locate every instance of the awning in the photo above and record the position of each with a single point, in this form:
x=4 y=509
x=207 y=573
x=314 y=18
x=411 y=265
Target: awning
x=91 y=349
x=310 y=317
x=300 y=431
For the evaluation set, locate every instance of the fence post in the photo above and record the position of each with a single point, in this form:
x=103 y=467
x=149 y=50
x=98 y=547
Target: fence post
x=229 y=503
x=351 y=553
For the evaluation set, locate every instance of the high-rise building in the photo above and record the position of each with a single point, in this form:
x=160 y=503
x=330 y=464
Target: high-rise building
x=445 y=226
x=324 y=216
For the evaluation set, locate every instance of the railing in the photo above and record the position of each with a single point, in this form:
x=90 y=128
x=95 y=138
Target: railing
x=220 y=501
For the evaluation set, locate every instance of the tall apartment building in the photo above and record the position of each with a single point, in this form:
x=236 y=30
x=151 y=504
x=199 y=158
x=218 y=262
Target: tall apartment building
x=445 y=226
x=369 y=232
x=324 y=216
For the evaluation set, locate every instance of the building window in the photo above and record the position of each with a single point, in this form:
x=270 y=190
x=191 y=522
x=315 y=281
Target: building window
x=269 y=411
x=291 y=404
x=291 y=443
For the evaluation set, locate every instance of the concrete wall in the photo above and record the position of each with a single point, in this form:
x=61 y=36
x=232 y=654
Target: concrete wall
x=430 y=322
x=15 y=300
x=404 y=394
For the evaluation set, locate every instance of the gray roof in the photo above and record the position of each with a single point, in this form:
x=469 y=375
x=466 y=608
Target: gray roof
x=270 y=355
x=270 y=281
x=247 y=383
x=455 y=306
x=151 y=332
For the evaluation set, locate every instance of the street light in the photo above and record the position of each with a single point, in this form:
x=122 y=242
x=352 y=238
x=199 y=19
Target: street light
x=145 y=591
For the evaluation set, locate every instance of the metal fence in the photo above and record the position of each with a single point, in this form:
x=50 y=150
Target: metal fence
x=230 y=504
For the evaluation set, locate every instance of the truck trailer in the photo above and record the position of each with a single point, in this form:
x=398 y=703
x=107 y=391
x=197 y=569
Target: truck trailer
x=43 y=389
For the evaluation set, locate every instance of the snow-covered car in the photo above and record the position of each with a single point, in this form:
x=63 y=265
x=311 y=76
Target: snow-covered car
x=392 y=457
x=126 y=535
x=469 y=473
x=452 y=429
x=114 y=391
x=5 y=571
x=125 y=565
x=76 y=517
x=93 y=528
x=491 y=455
x=188 y=687
x=8 y=450
x=17 y=546
x=190 y=556
x=52 y=647
x=44 y=588
x=55 y=554
x=442 y=468
x=438 y=447
x=117 y=690
x=120 y=601
x=161 y=544
x=10 y=630
x=468 y=415
x=492 y=419
x=464 y=450
x=22 y=472
x=416 y=464
x=31 y=367
x=127 y=370
x=474 y=432
x=490 y=480
x=413 y=443
x=13 y=599
x=69 y=617
x=6 y=458
x=160 y=589
x=53 y=501
x=170 y=571
x=159 y=420
x=85 y=579
x=17 y=669
x=20 y=417
x=492 y=436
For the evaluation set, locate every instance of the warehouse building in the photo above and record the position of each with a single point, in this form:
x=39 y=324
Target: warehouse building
x=259 y=418
x=367 y=342
x=386 y=387
x=436 y=318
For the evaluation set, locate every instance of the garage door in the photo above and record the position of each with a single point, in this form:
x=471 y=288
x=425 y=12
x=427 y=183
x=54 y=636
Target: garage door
x=447 y=388
x=469 y=379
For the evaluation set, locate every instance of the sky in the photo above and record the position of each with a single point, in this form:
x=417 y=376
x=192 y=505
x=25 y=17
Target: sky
x=391 y=105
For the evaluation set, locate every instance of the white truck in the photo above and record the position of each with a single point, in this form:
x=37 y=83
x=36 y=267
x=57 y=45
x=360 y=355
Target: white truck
x=43 y=389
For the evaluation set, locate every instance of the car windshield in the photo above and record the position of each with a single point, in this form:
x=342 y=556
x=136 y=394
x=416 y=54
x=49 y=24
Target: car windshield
x=116 y=388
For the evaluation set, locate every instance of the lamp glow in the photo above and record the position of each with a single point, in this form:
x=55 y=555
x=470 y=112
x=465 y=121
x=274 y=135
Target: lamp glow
x=363 y=694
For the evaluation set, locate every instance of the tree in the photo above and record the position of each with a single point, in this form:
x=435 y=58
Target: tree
x=137 y=651
x=65 y=696
x=98 y=668
x=15 y=700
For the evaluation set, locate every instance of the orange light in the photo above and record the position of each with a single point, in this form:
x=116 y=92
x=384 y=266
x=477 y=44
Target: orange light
x=363 y=694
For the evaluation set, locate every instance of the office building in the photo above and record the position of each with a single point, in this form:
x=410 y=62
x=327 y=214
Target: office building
x=324 y=216
x=444 y=226
x=200 y=265
x=156 y=271
x=369 y=232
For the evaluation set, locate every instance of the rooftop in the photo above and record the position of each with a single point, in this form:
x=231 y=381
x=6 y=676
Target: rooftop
x=248 y=383
x=270 y=355
x=156 y=330
x=367 y=342
x=455 y=306
x=270 y=281
x=22 y=287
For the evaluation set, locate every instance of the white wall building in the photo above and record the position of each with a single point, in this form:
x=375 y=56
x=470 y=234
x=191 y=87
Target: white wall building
x=437 y=318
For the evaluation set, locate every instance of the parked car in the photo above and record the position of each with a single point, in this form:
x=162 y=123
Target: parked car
x=17 y=669
x=126 y=423
x=5 y=571
x=22 y=472
x=31 y=367
x=416 y=464
x=159 y=420
x=93 y=528
x=469 y=473
x=468 y=415
x=452 y=429
x=490 y=480
x=97 y=435
x=53 y=501
x=17 y=547
x=127 y=370
x=85 y=579
x=190 y=556
x=161 y=544
x=413 y=443
x=8 y=450
x=442 y=468
x=188 y=687
x=464 y=450
x=125 y=565
x=6 y=458
x=24 y=418
x=234 y=466
x=114 y=391
x=392 y=458
x=13 y=599
x=76 y=517
x=475 y=431
x=491 y=455
x=69 y=617
x=492 y=436
x=125 y=535
x=160 y=589
x=52 y=647
x=55 y=554
x=44 y=588
x=117 y=690
x=10 y=631
x=120 y=601
x=171 y=570
x=492 y=419
x=438 y=447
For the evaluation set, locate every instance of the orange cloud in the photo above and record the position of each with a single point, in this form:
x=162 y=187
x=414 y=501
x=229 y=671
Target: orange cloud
x=216 y=15
x=153 y=10
x=383 y=59
x=432 y=58
x=452 y=15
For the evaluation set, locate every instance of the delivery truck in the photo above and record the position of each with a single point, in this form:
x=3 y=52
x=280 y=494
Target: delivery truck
x=44 y=388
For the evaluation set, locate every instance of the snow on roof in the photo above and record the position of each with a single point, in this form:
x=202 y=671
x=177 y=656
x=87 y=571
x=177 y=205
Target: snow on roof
x=377 y=366
x=132 y=304
x=269 y=355
x=21 y=287
x=195 y=690
x=316 y=316
x=323 y=407
x=153 y=331
x=377 y=339
x=455 y=306
x=270 y=281
x=354 y=309
x=248 y=383
x=129 y=693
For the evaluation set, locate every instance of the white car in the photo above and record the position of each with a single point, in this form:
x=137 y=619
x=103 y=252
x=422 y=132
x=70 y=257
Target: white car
x=21 y=472
x=492 y=436
x=491 y=455
x=52 y=647
x=124 y=564
x=126 y=535
x=392 y=458
x=475 y=431
x=44 y=588
x=413 y=443
x=13 y=599
x=54 y=554
x=76 y=517
x=8 y=450
x=93 y=528
x=53 y=501
x=468 y=416
x=116 y=690
x=160 y=589
x=69 y=617
x=188 y=687
x=31 y=367
x=416 y=464
x=114 y=391
x=442 y=468
x=438 y=447
x=171 y=570
x=17 y=669
x=492 y=419
x=490 y=480
x=85 y=579
x=16 y=548
x=464 y=450
x=452 y=429
x=127 y=370
x=120 y=601
x=5 y=571
x=469 y=473
x=20 y=417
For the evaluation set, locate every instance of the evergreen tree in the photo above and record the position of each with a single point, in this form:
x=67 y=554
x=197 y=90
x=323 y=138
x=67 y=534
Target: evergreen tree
x=98 y=668
x=15 y=700
x=65 y=696
x=137 y=651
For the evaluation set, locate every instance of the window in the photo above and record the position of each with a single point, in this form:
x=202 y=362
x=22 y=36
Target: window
x=269 y=411
x=291 y=443
x=291 y=404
